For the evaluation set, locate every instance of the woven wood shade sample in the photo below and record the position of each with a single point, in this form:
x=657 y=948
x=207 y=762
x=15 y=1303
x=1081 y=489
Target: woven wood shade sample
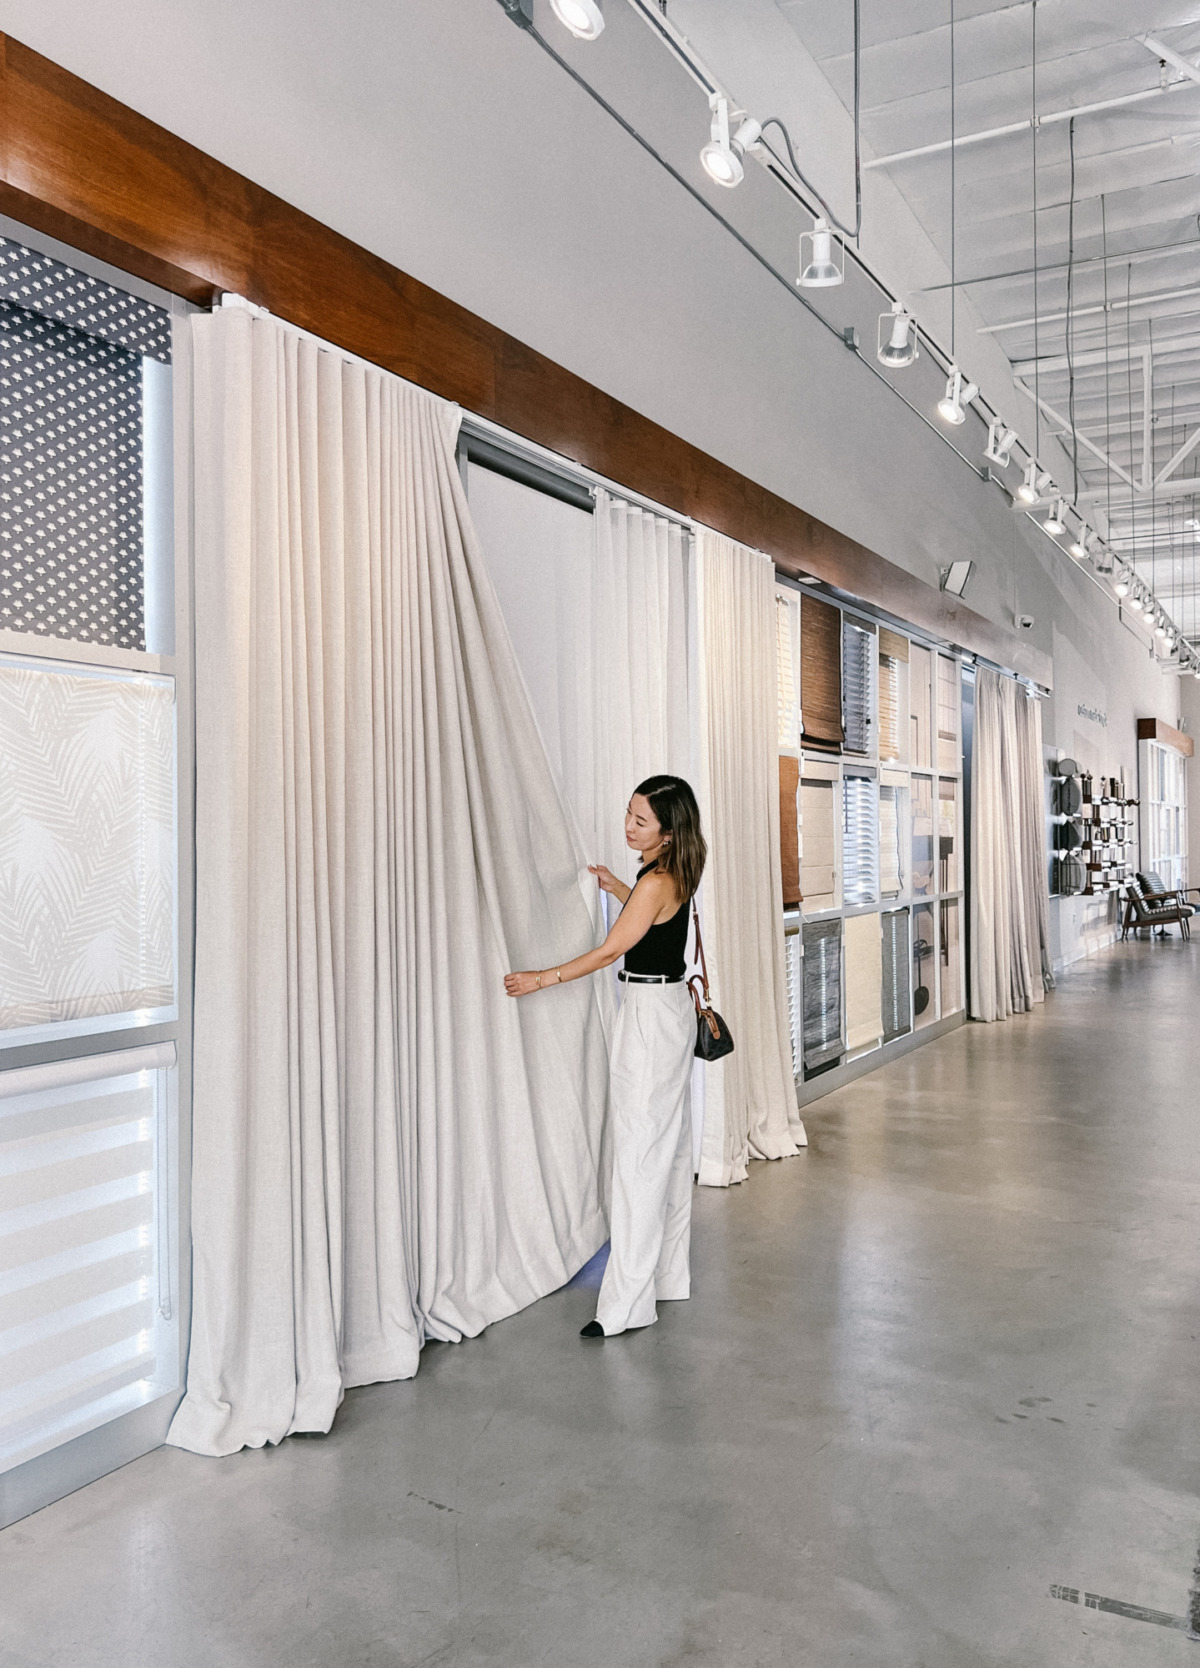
x=789 y=830
x=821 y=673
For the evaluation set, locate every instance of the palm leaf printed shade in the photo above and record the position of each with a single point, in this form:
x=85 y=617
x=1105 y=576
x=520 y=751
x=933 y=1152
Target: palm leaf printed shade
x=87 y=844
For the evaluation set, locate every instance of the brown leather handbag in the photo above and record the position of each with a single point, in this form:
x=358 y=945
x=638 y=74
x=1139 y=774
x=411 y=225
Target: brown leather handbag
x=713 y=1038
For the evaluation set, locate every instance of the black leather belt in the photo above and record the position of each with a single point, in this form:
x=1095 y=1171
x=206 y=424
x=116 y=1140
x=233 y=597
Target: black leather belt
x=649 y=978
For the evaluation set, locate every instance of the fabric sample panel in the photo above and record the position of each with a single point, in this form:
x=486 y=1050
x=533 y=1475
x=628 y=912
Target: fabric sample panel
x=896 y=993
x=891 y=872
x=949 y=707
x=787 y=635
x=817 y=854
x=821 y=673
x=87 y=843
x=85 y=1305
x=71 y=545
x=40 y=284
x=822 y=993
x=920 y=696
x=864 y=982
x=789 y=830
x=858 y=651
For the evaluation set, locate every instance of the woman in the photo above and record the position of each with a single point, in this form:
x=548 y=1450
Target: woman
x=651 y=1065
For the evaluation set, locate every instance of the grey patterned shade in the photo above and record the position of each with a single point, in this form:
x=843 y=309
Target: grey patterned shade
x=71 y=537
x=897 y=990
x=40 y=284
x=822 y=993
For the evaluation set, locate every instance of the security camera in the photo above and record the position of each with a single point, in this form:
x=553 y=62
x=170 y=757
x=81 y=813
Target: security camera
x=1025 y=622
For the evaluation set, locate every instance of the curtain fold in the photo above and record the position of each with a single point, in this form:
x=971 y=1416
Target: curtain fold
x=386 y=1148
x=1010 y=961
x=749 y=1097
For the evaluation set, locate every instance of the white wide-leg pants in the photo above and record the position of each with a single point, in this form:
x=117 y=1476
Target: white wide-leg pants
x=650 y=1077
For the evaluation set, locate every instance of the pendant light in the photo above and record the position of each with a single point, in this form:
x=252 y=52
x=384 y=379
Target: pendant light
x=820 y=271
x=900 y=347
x=583 y=18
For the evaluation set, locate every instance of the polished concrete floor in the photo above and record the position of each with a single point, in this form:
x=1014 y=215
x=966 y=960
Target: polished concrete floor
x=942 y=1363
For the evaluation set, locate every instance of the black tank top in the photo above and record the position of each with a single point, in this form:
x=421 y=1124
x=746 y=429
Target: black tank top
x=662 y=953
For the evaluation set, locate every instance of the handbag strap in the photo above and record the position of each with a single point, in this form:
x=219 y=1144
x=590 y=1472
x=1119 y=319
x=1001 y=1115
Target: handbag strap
x=699 y=956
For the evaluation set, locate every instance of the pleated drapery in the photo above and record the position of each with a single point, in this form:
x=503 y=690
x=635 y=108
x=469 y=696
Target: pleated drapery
x=1010 y=957
x=749 y=1097
x=632 y=674
x=386 y=1147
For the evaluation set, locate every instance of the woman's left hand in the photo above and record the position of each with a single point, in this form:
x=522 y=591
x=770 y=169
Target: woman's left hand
x=520 y=984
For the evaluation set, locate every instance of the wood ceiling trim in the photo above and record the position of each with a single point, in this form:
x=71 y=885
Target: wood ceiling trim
x=84 y=168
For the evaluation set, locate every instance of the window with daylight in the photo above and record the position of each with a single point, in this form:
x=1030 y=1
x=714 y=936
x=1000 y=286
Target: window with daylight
x=73 y=373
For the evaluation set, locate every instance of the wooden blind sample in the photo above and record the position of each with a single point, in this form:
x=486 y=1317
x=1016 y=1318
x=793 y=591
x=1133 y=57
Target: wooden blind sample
x=817 y=847
x=821 y=673
x=860 y=841
x=897 y=996
x=789 y=830
x=864 y=982
x=892 y=643
x=891 y=877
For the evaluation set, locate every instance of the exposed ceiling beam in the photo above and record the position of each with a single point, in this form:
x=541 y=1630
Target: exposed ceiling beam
x=1133 y=257
x=1186 y=450
x=1168 y=55
x=1119 y=355
x=1178 y=487
x=1010 y=128
x=1097 y=307
x=1084 y=440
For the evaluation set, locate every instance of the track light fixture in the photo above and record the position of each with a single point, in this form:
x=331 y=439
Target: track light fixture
x=722 y=156
x=959 y=394
x=1054 y=523
x=1034 y=484
x=897 y=338
x=1121 y=588
x=1160 y=629
x=820 y=271
x=1001 y=441
x=1078 y=546
x=583 y=18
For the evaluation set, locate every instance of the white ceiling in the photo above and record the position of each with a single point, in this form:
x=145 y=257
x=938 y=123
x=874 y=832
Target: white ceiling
x=1136 y=199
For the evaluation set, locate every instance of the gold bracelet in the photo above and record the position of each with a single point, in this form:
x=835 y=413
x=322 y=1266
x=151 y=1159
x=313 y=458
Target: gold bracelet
x=537 y=981
x=558 y=970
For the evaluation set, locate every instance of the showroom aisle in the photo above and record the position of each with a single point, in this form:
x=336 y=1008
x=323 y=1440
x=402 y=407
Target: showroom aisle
x=937 y=1368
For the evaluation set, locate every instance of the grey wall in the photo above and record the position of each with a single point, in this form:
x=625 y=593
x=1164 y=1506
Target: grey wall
x=440 y=136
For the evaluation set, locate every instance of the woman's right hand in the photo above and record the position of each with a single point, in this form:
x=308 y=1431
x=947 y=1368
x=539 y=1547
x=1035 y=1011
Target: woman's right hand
x=607 y=880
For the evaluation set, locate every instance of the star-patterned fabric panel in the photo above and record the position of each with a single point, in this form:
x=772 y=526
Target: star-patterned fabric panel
x=71 y=538
x=43 y=285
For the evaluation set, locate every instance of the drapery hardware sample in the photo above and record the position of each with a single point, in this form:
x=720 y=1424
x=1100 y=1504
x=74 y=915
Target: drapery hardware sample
x=821 y=673
x=386 y=1147
x=1010 y=949
x=87 y=843
x=749 y=1099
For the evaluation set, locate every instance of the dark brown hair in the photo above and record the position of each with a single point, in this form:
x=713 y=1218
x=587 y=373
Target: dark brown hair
x=684 y=854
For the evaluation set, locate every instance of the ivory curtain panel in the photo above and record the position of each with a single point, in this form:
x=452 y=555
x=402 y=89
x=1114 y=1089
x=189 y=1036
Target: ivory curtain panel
x=749 y=1097
x=1010 y=956
x=387 y=1148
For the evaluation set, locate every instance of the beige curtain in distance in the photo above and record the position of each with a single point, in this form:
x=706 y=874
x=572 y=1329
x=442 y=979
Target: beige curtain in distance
x=630 y=698
x=1010 y=964
x=749 y=1097
x=386 y=1147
